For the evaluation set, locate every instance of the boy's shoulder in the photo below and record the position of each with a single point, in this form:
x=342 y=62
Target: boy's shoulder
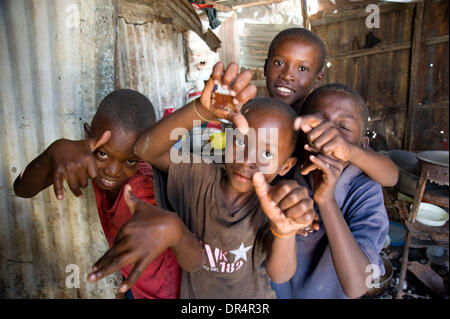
x=354 y=178
x=356 y=193
x=144 y=171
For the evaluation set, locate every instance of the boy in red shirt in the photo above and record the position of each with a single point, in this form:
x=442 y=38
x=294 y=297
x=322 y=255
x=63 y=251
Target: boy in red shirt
x=107 y=157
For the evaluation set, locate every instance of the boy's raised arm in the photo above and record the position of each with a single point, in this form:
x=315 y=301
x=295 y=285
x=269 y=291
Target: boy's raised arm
x=377 y=166
x=154 y=144
x=64 y=159
x=349 y=259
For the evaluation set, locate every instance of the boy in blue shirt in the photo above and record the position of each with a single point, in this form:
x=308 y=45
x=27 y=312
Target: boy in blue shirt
x=336 y=261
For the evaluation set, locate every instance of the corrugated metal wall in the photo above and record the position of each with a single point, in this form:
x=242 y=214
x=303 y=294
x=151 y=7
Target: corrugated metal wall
x=255 y=41
x=53 y=73
x=58 y=59
x=151 y=60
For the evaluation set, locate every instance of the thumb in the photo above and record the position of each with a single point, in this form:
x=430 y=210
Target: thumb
x=102 y=140
x=130 y=199
x=262 y=191
x=260 y=184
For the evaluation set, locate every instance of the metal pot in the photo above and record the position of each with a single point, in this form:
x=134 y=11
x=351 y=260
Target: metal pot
x=385 y=280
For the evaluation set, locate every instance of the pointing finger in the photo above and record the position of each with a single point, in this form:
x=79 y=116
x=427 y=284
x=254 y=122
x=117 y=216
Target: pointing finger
x=135 y=273
x=58 y=180
x=230 y=74
x=307 y=123
x=102 y=140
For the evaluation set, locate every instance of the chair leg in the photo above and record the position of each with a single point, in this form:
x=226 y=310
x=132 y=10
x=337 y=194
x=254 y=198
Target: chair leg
x=404 y=266
x=419 y=194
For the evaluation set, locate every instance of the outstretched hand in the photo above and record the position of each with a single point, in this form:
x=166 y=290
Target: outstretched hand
x=239 y=87
x=287 y=205
x=140 y=241
x=74 y=162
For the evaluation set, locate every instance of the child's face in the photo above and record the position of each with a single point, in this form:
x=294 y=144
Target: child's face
x=276 y=160
x=116 y=161
x=292 y=70
x=343 y=113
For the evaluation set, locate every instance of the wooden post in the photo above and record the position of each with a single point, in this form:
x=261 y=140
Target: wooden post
x=306 y=22
x=415 y=59
x=419 y=194
x=404 y=265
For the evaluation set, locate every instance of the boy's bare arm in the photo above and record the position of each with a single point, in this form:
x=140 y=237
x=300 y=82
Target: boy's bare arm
x=154 y=144
x=35 y=177
x=289 y=209
x=68 y=160
x=325 y=138
x=377 y=166
x=143 y=238
x=349 y=260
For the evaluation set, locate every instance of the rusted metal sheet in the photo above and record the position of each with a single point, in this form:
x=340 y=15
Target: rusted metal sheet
x=150 y=59
x=57 y=63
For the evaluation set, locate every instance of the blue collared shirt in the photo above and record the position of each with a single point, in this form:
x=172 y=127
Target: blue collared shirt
x=361 y=202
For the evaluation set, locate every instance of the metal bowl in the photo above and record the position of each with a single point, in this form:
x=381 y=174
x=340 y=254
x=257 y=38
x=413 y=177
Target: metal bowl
x=385 y=280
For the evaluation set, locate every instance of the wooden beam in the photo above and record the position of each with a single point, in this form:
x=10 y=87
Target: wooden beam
x=357 y=13
x=219 y=6
x=429 y=277
x=376 y=50
x=415 y=60
x=433 y=106
x=381 y=114
x=436 y=40
x=306 y=21
x=387 y=48
x=251 y=3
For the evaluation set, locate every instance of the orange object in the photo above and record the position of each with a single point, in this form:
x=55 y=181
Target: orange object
x=223 y=101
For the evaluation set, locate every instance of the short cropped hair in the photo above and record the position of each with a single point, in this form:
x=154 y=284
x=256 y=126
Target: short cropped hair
x=306 y=36
x=345 y=91
x=271 y=106
x=128 y=109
